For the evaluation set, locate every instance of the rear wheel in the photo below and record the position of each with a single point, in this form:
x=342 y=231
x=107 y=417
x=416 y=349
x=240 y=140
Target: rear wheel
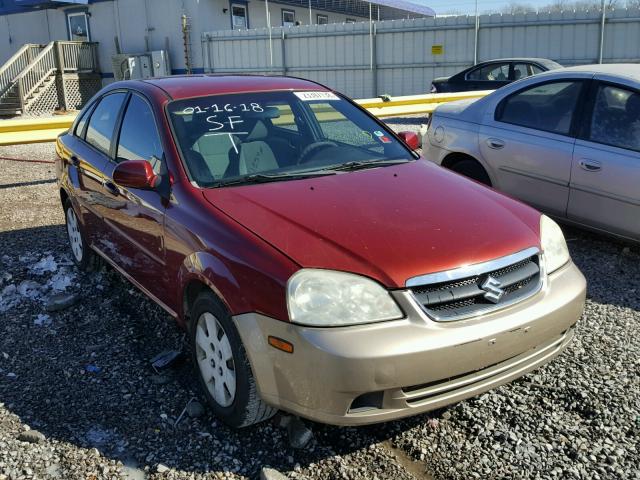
x=82 y=255
x=220 y=360
x=472 y=169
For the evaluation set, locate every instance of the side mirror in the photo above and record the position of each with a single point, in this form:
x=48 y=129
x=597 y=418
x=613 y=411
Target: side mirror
x=411 y=139
x=135 y=174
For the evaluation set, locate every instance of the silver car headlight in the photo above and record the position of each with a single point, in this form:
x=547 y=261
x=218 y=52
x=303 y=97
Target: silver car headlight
x=554 y=246
x=326 y=298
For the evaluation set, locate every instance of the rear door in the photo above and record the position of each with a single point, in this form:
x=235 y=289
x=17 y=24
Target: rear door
x=605 y=176
x=135 y=218
x=527 y=140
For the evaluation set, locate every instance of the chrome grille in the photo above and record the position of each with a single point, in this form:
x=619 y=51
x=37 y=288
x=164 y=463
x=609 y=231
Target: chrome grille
x=465 y=292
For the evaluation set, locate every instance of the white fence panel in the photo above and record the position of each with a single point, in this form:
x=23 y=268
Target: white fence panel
x=401 y=57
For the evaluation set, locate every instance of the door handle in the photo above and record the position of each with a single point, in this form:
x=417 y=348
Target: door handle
x=590 y=165
x=75 y=161
x=495 y=143
x=111 y=187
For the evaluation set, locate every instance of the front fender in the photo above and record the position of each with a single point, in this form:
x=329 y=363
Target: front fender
x=212 y=272
x=241 y=288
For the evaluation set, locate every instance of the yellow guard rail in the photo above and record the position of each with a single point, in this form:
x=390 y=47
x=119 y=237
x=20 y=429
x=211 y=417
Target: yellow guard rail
x=38 y=130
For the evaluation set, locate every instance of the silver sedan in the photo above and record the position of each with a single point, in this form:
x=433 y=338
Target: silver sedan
x=566 y=142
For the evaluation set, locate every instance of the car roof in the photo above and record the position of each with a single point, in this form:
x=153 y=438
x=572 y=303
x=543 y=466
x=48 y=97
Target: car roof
x=518 y=59
x=629 y=70
x=185 y=86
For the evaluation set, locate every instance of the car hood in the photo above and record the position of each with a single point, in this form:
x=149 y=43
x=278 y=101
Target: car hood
x=388 y=223
x=440 y=79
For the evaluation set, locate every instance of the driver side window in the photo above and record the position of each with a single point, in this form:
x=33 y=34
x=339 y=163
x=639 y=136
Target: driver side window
x=548 y=107
x=139 y=138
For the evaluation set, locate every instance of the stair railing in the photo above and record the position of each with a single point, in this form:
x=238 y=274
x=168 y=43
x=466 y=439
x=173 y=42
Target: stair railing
x=41 y=68
x=78 y=56
x=16 y=64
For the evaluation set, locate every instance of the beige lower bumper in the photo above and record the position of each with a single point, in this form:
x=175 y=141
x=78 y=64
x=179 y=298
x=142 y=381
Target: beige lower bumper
x=379 y=372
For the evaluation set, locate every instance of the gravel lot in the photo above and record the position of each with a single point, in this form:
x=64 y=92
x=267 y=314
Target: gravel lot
x=80 y=400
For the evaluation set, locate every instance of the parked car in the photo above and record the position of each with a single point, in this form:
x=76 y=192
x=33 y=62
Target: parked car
x=317 y=264
x=566 y=142
x=493 y=74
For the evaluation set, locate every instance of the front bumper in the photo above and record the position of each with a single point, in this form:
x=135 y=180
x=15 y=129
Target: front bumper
x=384 y=371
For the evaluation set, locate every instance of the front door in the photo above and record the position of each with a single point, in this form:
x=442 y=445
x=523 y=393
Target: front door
x=135 y=218
x=528 y=142
x=605 y=176
x=90 y=145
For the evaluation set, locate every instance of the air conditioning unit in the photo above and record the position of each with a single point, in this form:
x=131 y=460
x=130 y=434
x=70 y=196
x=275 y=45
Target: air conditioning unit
x=128 y=66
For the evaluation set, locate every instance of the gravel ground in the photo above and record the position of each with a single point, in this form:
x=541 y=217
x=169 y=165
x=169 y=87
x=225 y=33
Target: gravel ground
x=80 y=400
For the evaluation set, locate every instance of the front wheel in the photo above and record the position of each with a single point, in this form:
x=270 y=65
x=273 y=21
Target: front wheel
x=220 y=360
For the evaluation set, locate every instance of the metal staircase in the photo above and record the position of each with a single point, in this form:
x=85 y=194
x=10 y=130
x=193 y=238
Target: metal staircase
x=40 y=78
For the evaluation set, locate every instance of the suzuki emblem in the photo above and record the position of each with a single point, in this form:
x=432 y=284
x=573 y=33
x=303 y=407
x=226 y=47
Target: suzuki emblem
x=492 y=288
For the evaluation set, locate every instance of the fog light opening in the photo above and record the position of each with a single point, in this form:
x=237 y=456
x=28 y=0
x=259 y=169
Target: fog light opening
x=367 y=401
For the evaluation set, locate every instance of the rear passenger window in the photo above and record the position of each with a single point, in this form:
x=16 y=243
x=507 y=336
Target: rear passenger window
x=521 y=70
x=490 y=73
x=139 y=138
x=548 y=107
x=79 y=131
x=616 y=118
x=103 y=121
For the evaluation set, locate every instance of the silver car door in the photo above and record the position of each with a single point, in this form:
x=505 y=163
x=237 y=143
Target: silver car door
x=528 y=142
x=605 y=176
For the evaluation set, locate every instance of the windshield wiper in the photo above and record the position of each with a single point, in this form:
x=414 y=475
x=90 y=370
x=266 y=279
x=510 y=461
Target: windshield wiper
x=271 y=177
x=349 y=166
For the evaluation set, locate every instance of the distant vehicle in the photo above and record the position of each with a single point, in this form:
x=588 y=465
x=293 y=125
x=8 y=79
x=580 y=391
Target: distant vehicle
x=493 y=74
x=566 y=142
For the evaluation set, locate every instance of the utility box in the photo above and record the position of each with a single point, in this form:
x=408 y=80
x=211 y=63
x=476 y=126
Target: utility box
x=160 y=63
x=139 y=66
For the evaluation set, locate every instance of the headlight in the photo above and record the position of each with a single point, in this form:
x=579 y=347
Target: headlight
x=554 y=246
x=326 y=298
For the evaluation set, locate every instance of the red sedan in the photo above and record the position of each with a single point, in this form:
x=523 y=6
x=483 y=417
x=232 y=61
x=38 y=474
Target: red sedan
x=318 y=264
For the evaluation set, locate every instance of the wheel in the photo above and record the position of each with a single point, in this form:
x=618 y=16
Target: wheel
x=472 y=169
x=222 y=367
x=82 y=255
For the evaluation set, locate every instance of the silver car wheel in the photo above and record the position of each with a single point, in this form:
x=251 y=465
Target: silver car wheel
x=215 y=359
x=75 y=238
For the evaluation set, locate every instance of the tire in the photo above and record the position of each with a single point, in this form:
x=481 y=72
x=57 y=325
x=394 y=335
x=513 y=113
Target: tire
x=472 y=169
x=222 y=367
x=81 y=253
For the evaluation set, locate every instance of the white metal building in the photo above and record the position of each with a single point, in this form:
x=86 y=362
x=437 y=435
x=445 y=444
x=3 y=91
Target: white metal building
x=135 y=26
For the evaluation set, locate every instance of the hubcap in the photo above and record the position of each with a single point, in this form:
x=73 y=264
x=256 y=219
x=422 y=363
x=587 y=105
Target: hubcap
x=75 y=239
x=215 y=359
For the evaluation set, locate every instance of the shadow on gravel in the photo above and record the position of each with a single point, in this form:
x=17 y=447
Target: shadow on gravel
x=129 y=412
x=611 y=267
x=27 y=184
x=120 y=405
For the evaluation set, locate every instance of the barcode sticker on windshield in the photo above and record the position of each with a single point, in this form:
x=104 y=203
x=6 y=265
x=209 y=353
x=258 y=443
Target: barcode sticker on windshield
x=308 y=96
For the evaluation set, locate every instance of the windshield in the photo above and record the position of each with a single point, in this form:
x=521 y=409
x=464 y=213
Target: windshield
x=227 y=139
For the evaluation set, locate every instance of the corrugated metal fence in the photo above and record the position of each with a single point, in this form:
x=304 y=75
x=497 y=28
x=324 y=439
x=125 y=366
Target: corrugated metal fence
x=400 y=57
